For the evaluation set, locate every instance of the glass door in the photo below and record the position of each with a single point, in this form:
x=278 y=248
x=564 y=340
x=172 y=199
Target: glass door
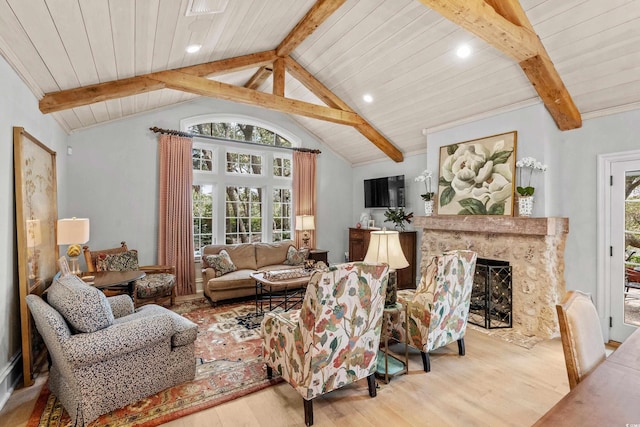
x=625 y=250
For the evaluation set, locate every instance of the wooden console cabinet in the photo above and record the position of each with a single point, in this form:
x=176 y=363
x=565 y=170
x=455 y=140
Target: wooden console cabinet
x=359 y=242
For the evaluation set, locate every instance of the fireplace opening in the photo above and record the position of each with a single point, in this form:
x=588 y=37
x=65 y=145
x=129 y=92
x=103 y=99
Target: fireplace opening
x=492 y=296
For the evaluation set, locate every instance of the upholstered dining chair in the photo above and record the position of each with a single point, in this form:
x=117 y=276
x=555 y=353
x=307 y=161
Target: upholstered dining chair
x=439 y=308
x=581 y=335
x=159 y=284
x=333 y=339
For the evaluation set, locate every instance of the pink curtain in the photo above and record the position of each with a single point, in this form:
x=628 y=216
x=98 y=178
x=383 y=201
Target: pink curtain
x=304 y=191
x=175 y=229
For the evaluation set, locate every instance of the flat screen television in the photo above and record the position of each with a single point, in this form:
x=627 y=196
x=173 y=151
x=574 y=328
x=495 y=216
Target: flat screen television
x=387 y=192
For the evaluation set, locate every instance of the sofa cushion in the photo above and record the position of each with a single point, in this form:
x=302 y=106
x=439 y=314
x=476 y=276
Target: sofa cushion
x=243 y=255
x=221 y=263
x=121 y=261
x=271 y=253
x=296 y=256
x=84 y=307
x=233 y=280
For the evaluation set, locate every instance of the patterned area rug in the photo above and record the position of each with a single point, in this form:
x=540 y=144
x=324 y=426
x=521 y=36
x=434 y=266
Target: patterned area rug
x=229 y=365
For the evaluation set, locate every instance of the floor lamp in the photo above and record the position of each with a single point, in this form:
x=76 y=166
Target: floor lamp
x=384 y=248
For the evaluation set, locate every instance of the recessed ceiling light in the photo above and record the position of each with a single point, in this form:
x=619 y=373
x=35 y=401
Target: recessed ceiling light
x=193 y=48
x=367 y=98
x=463 y=51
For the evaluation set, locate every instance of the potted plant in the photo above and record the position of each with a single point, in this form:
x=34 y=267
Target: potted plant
x=428 y=196
x=525 y=201
x=398 y=217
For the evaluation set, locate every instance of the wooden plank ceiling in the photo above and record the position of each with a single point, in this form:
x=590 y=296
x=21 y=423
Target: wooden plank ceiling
x=88 y=69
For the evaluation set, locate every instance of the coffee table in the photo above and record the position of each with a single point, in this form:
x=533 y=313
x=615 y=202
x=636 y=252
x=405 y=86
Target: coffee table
x=285 y=294
x=119 y=281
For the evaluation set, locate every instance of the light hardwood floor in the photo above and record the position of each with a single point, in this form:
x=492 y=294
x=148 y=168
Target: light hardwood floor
x=496 y=384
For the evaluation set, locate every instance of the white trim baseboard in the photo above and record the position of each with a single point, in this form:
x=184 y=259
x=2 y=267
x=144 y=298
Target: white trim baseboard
x=10 y=377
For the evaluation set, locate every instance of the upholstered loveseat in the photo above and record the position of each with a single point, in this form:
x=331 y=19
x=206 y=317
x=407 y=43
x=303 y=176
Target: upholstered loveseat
x=228 y=276
x=104 y=355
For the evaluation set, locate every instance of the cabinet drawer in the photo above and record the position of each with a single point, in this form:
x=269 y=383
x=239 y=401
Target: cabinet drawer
x=356 y=234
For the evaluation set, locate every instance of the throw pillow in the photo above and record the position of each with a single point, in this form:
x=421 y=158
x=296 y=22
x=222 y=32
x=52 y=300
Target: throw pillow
x=221 y=263
x=121 y=261
x=84 y=307
x=295 y=256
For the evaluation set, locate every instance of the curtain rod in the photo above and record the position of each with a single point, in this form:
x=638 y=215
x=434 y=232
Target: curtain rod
x=215 y=138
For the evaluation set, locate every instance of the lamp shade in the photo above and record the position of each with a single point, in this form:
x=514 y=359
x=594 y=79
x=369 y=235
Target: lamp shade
x=384 y=248
x=72 y=231
x=305 y=222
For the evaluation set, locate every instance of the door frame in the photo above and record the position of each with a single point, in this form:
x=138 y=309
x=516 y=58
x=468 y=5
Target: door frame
x=603 y=291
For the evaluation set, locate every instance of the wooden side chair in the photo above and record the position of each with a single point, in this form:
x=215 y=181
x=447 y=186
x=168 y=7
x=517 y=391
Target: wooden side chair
x=157 y=287
x=581 y=334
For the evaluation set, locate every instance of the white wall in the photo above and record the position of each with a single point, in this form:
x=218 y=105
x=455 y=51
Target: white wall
x=18 y=107
x=114 y=169
x=567 y=189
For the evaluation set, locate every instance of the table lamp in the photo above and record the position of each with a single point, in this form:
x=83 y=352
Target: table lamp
x=305 y=223
x=73 y=232
x=384 y=248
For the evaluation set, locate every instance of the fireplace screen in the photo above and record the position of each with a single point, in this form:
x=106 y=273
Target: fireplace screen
x=491 y=296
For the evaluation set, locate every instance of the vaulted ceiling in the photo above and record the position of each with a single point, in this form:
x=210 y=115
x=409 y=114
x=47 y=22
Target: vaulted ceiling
x=90 y=62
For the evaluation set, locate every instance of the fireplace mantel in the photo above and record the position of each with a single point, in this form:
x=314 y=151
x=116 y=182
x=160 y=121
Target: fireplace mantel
x=495 y=224
x=534 y=247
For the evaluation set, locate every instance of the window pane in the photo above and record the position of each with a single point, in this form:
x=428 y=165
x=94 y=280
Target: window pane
x=202 y=206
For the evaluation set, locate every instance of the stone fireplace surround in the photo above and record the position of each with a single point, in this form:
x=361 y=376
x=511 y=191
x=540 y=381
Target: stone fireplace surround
x=534 y=247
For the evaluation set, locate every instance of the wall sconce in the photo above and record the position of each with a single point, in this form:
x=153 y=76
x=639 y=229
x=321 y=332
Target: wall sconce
x=73 y=232
x=305 y=223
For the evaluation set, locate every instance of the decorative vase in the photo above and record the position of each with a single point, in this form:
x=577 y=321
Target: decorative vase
x=525 y=206
x=428 y=207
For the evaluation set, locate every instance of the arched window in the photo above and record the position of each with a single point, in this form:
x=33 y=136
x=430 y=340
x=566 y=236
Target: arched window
x=242 y=180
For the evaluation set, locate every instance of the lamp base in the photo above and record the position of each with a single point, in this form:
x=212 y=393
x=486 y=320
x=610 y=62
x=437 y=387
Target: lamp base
x=74 y=265
x=392 y=289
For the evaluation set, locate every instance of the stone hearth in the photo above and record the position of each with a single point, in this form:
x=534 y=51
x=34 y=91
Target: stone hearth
x=533 y=246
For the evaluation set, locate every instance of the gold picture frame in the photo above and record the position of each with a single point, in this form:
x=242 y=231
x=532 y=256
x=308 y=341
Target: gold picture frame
x=36 y=217
x=477 y=177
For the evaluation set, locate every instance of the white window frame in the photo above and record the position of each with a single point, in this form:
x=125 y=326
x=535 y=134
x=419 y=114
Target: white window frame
x=220 y=178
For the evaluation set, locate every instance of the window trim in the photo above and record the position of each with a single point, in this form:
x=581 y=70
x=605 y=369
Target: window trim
x=220 y=178
x=185 y=123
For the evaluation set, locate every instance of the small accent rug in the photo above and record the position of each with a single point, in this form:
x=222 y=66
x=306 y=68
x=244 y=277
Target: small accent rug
x=509 y=335
x=229 y=365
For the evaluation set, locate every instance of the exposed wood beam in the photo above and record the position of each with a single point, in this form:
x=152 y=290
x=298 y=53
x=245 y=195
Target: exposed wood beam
x=555 y=96
x=259 y=77
x=278 y=77
x=504 y=25
x=318 y=13
x=479 y=18
x=202 y=86
x=71 y=98
x=298 y=72
x=332 y=100
x=541 y=72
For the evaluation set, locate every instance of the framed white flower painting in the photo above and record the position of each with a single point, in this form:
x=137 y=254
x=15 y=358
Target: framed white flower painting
x=477 y=176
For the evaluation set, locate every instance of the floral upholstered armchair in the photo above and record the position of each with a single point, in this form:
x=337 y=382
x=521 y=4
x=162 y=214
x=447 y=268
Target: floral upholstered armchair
x=439 y=308
x=333 y=339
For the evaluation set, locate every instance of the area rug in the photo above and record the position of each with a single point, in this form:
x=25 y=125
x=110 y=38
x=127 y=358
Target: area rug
x=229 y=365
x=509 y=335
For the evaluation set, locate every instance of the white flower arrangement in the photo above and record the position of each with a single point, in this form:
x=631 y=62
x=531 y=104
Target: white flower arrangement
x=533 y=165
x=425 y=177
